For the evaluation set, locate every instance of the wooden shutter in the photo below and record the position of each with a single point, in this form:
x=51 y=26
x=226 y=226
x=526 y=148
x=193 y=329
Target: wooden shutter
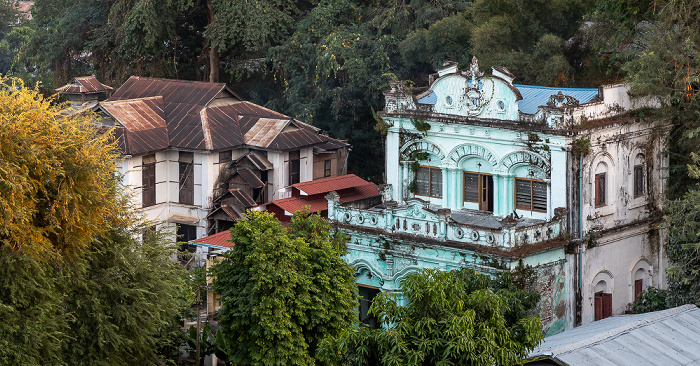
x=598 y=306
x=607 y=305
x=471 y=187
x=435 y=182
x=637 y=288
x=600 y=189
x=423 y=181
x=148 y=181
x=523 y=194
x=638 y=180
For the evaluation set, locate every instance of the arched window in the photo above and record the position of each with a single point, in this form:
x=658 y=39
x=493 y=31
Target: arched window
x=639 y=284
x=602 y=301
x=639 y=176
x=600 y=190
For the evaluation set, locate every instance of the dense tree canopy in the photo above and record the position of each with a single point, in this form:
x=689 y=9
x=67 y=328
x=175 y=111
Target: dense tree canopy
x=78 y=284
x=283 y=291
x=451 y=318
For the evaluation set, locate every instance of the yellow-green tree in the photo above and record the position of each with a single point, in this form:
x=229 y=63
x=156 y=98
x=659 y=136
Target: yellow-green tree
x=77 y=284
x=58 y=183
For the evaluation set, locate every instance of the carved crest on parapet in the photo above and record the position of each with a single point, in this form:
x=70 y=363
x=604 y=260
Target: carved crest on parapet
x=474 y=71
x=397 y=87
x=560 y=100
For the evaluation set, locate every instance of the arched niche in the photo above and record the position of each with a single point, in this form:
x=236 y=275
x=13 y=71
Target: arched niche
x=422 y=146
x=517 y=159
x=367 y=274
x=465 y=152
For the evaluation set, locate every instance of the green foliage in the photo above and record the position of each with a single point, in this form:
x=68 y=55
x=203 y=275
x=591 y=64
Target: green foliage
x=452 y=318
x=683 y=218
x=651 y=299
x=283 y=291
x=421 y=125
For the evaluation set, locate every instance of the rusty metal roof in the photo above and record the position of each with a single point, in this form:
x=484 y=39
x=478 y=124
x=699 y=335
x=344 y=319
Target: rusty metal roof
x=259 y=161
x=242 y=197
x=84 y=85
x=143 y=119
x=325 y=185
x=191 y=123
x=220 y=240
x=251 y=178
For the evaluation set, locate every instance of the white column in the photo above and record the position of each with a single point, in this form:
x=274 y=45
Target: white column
x=445 y=187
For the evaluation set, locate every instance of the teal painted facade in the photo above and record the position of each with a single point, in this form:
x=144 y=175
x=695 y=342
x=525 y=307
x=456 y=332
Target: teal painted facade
x=488 y=186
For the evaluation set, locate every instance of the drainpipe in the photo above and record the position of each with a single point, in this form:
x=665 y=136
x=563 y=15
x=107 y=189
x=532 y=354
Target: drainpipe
x=579 y=294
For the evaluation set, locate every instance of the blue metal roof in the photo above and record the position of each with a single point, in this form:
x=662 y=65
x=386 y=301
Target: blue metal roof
x=535 y=96
x=429 y=99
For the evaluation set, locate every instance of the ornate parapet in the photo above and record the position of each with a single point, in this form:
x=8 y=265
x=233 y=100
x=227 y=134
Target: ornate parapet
x=418 y=220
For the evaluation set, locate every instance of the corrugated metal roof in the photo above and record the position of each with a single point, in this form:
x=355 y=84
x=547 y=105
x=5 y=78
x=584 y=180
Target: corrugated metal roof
x=258 y=160
x=319 y=203
x=428 y=99
x=243 y=198
x=251 y=178
x=664 y=338
x=535 y=96
x=192 y=124
x=264 y=131
x=325 y=185
x=143 y=119
x=221 y=240
x=84 y=85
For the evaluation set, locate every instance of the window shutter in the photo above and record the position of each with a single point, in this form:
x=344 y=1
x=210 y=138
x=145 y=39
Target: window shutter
x=423 y=181
x=598 y=307
x=435 y=183
x=523 y=194
x=539 y=196
x=471 y=187
x=637 y=288
x=607 y=305
x=638 y=180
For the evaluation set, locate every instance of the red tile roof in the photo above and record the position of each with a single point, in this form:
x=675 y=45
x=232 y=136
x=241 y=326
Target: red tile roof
x=325 y=185
x=222 y=239
x=319 y=203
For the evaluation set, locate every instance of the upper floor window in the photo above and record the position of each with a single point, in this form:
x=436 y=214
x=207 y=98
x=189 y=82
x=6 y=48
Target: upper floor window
x=294 y=167
x=429 y=182
x=530 y=195
x=600 y=192
x=639 y=176
x=224 y=156
x=478 y=188
x=327 y=168
x=148 y=180
x=186 y=186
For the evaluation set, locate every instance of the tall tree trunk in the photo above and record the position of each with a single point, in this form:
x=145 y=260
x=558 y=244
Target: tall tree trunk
x=213 y=52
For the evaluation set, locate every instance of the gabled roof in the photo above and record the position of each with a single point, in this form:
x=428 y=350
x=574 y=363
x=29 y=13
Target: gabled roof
x=84 y=85
x=350 y=187
x=535 y=96
x=143 y=119
x=667 y=337
x=259 y=161
x=325 y=185
x=210 y=116
x=250 y=178
x=219 y=240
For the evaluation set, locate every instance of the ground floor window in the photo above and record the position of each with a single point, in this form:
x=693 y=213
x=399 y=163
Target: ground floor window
x=530 y=195
x=429 y=182
x=367 y=294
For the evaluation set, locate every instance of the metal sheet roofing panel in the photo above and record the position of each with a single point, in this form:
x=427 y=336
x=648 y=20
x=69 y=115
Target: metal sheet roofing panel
x=224 y=129
x=535 y=96
x=242 y=197
x=428 y=99
x=325 y=185
x=143 y=121
x=667 y=337
x=297 y=138
x=251 y=178
x=222 y=239
x=264 y=131
x=258 y=160
x=84 y=85
x=294 y=204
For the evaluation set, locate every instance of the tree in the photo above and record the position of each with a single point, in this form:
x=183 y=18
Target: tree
x=451 y=318
x=78 y=284
x=283 y=291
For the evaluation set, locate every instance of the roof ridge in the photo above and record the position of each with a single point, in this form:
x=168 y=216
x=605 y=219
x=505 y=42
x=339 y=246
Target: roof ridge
x=618 y=331
x=551 y=87
x=177 y=80
x=130 y=100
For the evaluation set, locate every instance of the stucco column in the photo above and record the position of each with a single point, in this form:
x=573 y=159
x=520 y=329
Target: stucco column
x=405 y=181
x=445 y=187
x=459 y=189
x=498 y=194
x=509 y=193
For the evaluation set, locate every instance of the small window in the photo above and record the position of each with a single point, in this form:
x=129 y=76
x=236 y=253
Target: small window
x=449 y=101
x=327 y=168
x=224 y=156
x=501 y=105
x=600 y=199
x=294 y=167
x=148 y=180
x=186 y=187
x=530 y=195
x=429 y=182
x=639 y=181
x=185 y=234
